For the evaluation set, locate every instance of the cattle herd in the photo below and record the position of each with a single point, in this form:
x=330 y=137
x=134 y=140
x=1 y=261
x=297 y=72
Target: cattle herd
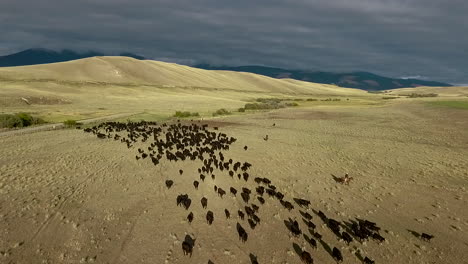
x=179 y=142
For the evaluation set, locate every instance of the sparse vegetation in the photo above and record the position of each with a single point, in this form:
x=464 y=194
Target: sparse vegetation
x=242 y=110
x=221 y=111
x=292 y=104
x=262 y=106
x=389 y=97
x=331 y=100
x=416 y=95
x=18 y=120
x=312 y=99
x=71 y=123
x=185 y=114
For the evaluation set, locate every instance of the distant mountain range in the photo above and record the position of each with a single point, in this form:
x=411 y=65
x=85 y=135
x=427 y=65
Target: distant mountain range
x=44 y=56
x=360 y=80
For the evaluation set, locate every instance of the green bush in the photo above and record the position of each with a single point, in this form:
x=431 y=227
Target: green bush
x=312 y=99
x=416 y=95
x=242 y=110
x=221 y=111
x=71 y=123
x=389 y=97
x=185 y=114
x=18 y=120
x=292 y=104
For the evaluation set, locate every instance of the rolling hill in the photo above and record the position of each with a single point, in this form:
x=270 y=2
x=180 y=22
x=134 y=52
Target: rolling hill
x=44 y=56
x=360 y=80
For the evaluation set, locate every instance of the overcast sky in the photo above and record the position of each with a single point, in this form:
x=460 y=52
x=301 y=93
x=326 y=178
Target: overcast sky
x=396 y=38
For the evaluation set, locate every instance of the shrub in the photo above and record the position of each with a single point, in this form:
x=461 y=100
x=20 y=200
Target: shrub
x=71 y=123
x=291 y=104
x=389 y=97
x=18 y=120
x=269 y=100
x=185 y=114
x=221 y=111
x=241 y=110
x=312 y=99
x=416 y=95
x=331 y=100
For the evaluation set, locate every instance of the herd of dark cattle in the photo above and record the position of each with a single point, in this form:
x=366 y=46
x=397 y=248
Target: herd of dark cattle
x=179 y=142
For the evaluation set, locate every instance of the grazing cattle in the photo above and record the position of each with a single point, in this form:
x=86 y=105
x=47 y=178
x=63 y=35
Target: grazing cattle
x=322 y=215
x=181 y=172
x=242 y=234
x=187 y=245
x=181 y=198
x=190 y=217
x=266 y=181
x=227 y=213
x=317 y=235
x=202 y=177
x=245 y=147
x=258 y=180
x=279 y=195
x=306 y=257
x=245 y=197
x=251 y=223
x=261 y=200
x=231 y=173
x=334 y=226
x=187 y=203
x=368 y=261
x=302 y=202
x=209 y=217
x=249 y=211
x=293 y=226
x=287 y=205
x=426 y=237
x=336 y=253
x=378 y=237
x=260 y=190
x=144 y=155
x=213 y=176
x=246 y=176
x=241 y=214
x=347 y=238
x=312 y=242
x=233 y=191
x=215 y=188
x=253 y=259
x=307 y=215
x=221 y=192
x=270 y=192
x=255 y=207
x=169 y=184
x=187 y=248
x=255 y=218
x=246 y=190
x=310 y=224
x=195 y=184
x=204 y=202
x=265 y=138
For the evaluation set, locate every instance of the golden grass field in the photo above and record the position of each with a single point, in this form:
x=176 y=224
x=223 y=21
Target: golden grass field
x=69 y=197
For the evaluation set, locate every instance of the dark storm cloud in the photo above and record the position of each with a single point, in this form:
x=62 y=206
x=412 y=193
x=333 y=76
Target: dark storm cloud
x=392 y=37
